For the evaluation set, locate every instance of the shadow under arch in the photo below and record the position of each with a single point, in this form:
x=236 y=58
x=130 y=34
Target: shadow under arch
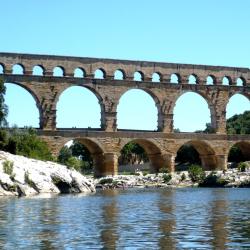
x=206 y=153
x=244 y=147
x=153 y=152
x=209 y=103
x=93 y=91
x=97 y=153
x=151 y=94
x=38 y=102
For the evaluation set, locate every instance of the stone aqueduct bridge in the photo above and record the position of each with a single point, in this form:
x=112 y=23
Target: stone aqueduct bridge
x=105 y=143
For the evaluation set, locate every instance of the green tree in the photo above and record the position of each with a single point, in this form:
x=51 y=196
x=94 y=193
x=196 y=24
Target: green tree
x=3 y=106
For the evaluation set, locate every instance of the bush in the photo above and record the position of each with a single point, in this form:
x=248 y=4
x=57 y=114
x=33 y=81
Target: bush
x=212 y=180
x=242 y=167
x=8 y=167
x=106 y=181
x=183 y=177
x=196 y=173
x=164 y=170
x=166 y=178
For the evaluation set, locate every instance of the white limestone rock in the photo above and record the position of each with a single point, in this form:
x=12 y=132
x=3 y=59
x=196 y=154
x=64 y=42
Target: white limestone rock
x=31 y=177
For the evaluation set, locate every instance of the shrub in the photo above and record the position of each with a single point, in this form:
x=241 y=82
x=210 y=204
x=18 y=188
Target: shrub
x=183 y=177
x=242 y=167
x=212 y=180
x=164 y=170
x=166 y=178
x=8 y=167
x=28 y=180
x=106 y=181
x=196 y=173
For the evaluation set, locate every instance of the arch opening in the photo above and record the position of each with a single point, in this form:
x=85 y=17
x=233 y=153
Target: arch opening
x=240 y=81
x=79 y=73
x=192 y=79
x=138 y=76
x=210 y=80
x=140 y=155
x=175 y=78
x=38 y=70
x=24 y=110
x=58 y=71
x=191 y=113
x=137 y=110
x=1 y=68
x=73 y=108
x=100 y=74
x=237 y=114
x=226 y=80
x=195 y=152
x=119 y=75
x=156 y=77
x=84 y=155
x=239 y=152
x=18 y=69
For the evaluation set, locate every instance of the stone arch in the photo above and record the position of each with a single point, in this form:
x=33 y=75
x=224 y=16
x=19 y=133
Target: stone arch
x=100 y=73
x=156 y=77
x=193 y=79
x=235 y=108
x=38 y=70
x=59 y=71
x=206 y=153
x=175 y=78
x=153 y=152
x=93 y=91
x=33 y=95
x=18 y=69
x=244 y=146
x=2 y=68
x=241 y=81
x=79 y=72
x=211 y=107
x=138 y=76
x=119 y=74
x=227 y=80
x=211 y=80
x=147 y=91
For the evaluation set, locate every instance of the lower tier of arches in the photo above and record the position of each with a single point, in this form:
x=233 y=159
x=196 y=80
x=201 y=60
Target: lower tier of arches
x=161 y=152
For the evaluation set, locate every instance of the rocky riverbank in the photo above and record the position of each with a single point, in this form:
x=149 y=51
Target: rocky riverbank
x=229 y=178
x=20 y=176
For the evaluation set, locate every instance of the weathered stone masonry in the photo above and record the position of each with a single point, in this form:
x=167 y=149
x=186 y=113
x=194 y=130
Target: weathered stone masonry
x=105 y=145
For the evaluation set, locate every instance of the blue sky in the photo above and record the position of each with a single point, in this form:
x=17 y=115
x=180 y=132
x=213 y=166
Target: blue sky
x=199 y=32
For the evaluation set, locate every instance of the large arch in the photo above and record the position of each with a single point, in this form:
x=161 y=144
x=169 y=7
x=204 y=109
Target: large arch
x=192 y=111
x=70 y=104
x=153 y=153
x=237 y=104
x=138 y=109
x=244 y=148
x=206 y=153
x=23 y=104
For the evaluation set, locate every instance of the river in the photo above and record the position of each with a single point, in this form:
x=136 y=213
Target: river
x=188 y=218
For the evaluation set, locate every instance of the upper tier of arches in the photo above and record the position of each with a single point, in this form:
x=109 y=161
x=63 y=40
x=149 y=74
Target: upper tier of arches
x=59 y=66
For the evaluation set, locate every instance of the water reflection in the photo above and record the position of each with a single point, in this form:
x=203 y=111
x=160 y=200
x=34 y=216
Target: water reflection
x=167 y=223
x=219 y=219
x=109 y=234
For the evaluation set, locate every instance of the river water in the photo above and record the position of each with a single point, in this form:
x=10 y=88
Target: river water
x=191 y=218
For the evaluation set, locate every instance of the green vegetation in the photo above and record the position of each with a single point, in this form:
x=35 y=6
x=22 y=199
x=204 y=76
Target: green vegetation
x=8 y=167
x=133 y=153
x=163 y=170
x=196 y=173
x=212 y=180
x=239 y=124
x=76 y=156
x=106 y=181
x=3 y=106
x=242 y=166
x=166 y=178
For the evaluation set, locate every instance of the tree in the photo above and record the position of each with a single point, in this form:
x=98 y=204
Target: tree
x=3 y=106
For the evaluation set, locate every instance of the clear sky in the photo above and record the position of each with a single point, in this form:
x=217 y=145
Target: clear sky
x=199 y=32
